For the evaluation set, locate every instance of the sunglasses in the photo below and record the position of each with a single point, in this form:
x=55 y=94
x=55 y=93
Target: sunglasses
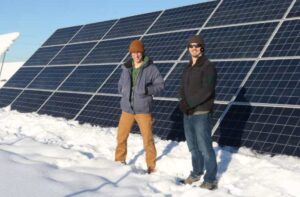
x=194 y=45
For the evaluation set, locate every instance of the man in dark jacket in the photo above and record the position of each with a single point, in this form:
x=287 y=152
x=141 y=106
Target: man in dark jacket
x=139 y=81
x=197 y=94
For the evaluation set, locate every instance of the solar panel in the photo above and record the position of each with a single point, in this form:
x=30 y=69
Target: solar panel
x=274 y=81
x=30 y=101
x=253 y=44
x=7 y=96
x=87 y=78
x=287 y=40
x=111 y=85
x=72 y=54
x=62 y=36
x=175 y=19
x=43 y=56
x=166 y=46
x=92 y=32
x=244 y=41
x=295 y=12
x=22 y=77
x=242 y=11
x=102 y=110
x=109 y=51
x=134 y=25
x=265 y=129
x=65 y=105
x=51 y=77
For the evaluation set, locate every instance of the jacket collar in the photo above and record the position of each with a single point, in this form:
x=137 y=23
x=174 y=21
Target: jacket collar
x=200 y=61
x=147 y=62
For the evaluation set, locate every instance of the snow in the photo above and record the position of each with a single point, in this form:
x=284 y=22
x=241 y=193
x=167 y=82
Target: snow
x=45 y=156
x=6 y=40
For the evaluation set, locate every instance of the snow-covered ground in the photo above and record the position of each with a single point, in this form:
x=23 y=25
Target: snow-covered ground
x=45 y=156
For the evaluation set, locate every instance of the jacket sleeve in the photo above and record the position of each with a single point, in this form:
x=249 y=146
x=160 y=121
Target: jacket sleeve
x=121 y=80
x=157 y=83
x=207 y=90
x=181 y=88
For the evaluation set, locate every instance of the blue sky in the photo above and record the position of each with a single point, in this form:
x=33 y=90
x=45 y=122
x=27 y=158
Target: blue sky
x=36 y=20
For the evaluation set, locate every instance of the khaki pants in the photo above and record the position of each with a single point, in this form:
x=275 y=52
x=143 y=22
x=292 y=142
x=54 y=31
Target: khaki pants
x=144 y=122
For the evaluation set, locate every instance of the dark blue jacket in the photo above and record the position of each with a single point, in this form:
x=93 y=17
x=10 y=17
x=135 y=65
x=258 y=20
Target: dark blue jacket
x=149 y=83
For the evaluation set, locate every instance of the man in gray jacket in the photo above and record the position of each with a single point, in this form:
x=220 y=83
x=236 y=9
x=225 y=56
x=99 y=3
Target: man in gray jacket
x=139 y=81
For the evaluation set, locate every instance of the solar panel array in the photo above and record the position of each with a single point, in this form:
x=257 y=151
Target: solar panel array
x=255 y=46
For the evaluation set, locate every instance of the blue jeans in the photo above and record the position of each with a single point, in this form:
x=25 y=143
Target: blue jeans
x=197 y=130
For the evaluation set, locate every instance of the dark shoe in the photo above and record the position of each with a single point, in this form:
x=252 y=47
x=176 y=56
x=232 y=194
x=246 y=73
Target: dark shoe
x=210 y=186
x=191 y=179
x=122 y=162
x=150 y=170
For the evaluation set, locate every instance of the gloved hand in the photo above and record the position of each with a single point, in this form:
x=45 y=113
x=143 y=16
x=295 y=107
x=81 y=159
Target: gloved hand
x=184 y=106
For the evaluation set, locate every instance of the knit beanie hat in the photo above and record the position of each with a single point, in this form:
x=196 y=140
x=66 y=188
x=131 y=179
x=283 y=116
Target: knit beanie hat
x=136 y=46
x=196 y=39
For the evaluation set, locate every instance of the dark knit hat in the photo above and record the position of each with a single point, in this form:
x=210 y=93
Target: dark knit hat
x=136 y=46
x=196 y=39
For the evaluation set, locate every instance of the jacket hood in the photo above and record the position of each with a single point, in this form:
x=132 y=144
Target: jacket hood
x=147 y=62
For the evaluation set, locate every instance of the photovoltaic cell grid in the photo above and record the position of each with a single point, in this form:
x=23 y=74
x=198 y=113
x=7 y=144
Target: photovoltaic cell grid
x=109 y=51
x=51 y=77
x=232 y=40
x=244 y=41
x=295 y=12
x=274 y=81
x=166 y=46
x=87 y=78
x=30 y=101
x=102 y=110
x=22 y=77
x=287 y=40
x=135 y=25
x=92 y=32
x=7 y=96
x=242 y=11
x=65 y=105
x=230 y=76
x=43 y=56
x=187 y=17
x=265 y=129
x=72 y=54
x=62 y=36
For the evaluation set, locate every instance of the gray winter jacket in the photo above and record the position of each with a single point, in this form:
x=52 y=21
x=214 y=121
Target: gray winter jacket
x=149 y=83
